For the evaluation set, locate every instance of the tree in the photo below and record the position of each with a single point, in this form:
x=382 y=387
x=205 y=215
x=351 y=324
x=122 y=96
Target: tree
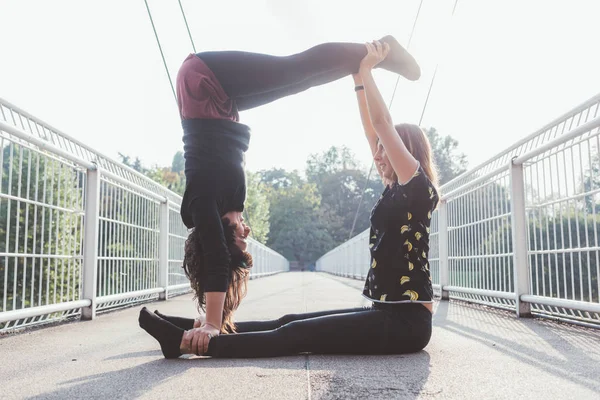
x=178 y=164
x=278 y=178
x=345 y=192
x=168 y=178
x=450 y=162
x=136 y=164
x=297 y=227
x=257 y=208
x=334 y=160
x=591 y=181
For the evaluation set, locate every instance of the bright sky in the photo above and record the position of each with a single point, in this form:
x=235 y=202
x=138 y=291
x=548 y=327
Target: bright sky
x=93 y=69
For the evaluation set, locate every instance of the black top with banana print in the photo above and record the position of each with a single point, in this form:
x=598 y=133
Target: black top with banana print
x=399 y=242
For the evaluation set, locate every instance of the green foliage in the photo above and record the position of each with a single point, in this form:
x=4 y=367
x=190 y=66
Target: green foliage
x=257 y=208
x=297 y=227
x=178 y=164
x=341 y=183
x=591 y=181
x=449 y=161
x=29 y=229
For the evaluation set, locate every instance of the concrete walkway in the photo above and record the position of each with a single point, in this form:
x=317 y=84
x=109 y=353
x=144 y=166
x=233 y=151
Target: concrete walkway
x=475 y=353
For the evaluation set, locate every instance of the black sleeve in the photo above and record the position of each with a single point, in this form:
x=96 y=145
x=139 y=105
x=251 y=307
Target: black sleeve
x=414 y=192
x=207 y=222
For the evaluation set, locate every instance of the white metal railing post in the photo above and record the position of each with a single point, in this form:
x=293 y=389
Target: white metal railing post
x=443 y=248
x=163 y=250
x=90 y=242
x=519 y=238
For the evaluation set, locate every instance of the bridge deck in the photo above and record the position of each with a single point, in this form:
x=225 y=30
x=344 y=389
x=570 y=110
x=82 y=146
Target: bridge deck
x=475 y=353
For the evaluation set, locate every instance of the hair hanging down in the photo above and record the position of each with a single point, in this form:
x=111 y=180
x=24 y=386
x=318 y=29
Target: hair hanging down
x=418 y=145
x=241 y=262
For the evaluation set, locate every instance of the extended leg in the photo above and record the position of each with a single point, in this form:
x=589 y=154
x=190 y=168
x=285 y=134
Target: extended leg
x=245 y=74
x=257 y=100
x=362 y=332
x=257 y=326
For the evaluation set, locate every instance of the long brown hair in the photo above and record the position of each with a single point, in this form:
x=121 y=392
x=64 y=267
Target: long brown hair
x=418 y=145
x=194 y=267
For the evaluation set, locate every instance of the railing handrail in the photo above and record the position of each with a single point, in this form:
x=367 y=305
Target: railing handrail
x=581 y=129
x=581 y=107
x=100 y=155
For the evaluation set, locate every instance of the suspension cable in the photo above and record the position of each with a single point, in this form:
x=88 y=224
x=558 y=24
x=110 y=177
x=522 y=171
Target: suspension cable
x=161 y=51
x=187 y=26
x=389 y=107
x=434 y=74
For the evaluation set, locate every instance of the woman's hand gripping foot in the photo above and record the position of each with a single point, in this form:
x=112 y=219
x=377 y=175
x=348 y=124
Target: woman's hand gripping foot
x=195 y=341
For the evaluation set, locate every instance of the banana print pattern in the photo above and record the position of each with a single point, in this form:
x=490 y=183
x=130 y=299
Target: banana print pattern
x=412 y=294
x=399 y=242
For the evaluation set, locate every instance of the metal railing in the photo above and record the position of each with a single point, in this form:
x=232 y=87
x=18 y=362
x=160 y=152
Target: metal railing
x=80 y=232
x=520 y=231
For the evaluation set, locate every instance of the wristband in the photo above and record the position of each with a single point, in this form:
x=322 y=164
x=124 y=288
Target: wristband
x=359 y=87
x=211 y=325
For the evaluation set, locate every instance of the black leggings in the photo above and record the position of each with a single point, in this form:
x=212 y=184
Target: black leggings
x=382 y=329
x=254 y=79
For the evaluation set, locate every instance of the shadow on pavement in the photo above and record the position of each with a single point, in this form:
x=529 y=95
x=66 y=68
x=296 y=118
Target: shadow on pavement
x=565 y=351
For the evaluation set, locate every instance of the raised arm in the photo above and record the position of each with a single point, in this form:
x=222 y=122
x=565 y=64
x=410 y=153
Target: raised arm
x=403 y=163
x=364 y=114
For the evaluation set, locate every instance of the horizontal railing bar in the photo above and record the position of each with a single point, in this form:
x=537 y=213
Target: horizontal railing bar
x=128 y=184
x=266 y=273
x=482 y=292
x=177 y=236
x=557 y=121
x=34 y=255
x=41 y=143
x=138 y=174
x=483 y=178
x=478 y=222
x=564 y=199
x=128 y=295
x=560 y=251
x=37 y=203
x=117 y=222
x=41 y=153
x=180 y=286
x=23 y=313
x=564 y=147
x=563 y=303
x=480 y=256
x=105 y=258
x=589 y=125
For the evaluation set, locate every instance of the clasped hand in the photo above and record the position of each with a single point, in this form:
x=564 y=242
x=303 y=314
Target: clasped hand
x=376 y=53
x=195 y=341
